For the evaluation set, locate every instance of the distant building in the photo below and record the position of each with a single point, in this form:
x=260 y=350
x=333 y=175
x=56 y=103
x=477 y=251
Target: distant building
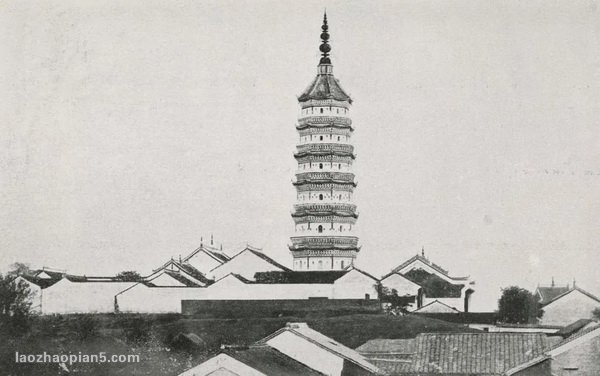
x=429 y=283
x=563 y=306
x=246 y=264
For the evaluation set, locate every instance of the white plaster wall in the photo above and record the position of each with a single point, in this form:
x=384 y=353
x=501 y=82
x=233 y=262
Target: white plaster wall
x=307 y=353
x=354 y=285
x=327 y=166
x=144 y=299
x=324 y=111
x=203 y=262
x=402 y=285
x=245 y=264
x=81 y=297
x=327 y=197
x=339 y=229
x=569 y=308
x=232 y=288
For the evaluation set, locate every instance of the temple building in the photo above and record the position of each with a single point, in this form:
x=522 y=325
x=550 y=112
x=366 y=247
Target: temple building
x=324 y=216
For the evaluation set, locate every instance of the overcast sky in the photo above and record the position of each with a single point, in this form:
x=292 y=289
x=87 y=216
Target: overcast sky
x=131 y=129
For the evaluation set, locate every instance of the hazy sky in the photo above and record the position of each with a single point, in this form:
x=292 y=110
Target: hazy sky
x=130 y=129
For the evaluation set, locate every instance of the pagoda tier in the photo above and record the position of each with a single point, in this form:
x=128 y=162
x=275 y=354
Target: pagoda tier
x=324 y=215
x=339 y=178
x=307 y=220
x=324 y=122
x=325 y=210
x=324 y=242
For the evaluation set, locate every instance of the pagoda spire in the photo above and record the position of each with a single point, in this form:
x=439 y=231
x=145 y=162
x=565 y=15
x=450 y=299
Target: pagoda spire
x=325 y=48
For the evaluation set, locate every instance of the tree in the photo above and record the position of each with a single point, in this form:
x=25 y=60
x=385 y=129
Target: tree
x=394 y=302
x=596 y=313
x=19 y=268
x=129 y=276
x=518 y=306
x=15 y=305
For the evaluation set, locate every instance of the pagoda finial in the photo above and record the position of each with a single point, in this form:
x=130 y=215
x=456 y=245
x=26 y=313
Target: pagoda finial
x=325 y=48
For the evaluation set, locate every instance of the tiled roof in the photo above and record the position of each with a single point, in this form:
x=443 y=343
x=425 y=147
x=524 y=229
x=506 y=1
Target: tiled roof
x=387 y=346
x=299 y=276
x=42 y=282
x=426 y=261
x=548 y=293
x=434 y=303
x=267 y=259
x=593 y=328
x=271 y=362
x=572 y=328
x=324 y=86
x=304 y=331
x=589 y=295
x=177 y=276
x=213 y=252
x=193 y=272
x=475 y=353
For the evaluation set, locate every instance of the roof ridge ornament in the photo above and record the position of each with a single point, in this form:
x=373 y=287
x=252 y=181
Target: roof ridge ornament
x=325 y=48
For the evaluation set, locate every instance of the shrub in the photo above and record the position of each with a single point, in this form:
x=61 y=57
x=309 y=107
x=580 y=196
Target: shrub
x=86 y=327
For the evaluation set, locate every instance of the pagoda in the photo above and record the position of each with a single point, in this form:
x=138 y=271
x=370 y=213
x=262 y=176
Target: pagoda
x=324 y=215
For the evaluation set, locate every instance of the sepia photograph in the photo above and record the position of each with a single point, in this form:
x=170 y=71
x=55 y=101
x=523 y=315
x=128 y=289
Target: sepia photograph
x=287 y=188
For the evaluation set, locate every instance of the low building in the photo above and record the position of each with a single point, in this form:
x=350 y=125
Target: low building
x=569 y=306
x=579 y=353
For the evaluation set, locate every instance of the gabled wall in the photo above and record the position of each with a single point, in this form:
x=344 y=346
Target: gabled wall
x=569 y=308
x=81 y=297
x=307 y=353
x=203 y=262
x=245 y=264
x=355 y=285
x=581 y=360
x=401 y=284
x=143 y=299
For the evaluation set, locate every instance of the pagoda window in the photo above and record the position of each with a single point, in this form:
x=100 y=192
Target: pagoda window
x=320 y=264
x=321 y=197
x=320 y=166
x=321 y=110
x=342 y=264
x=340 y=196
x=320 y=229
x=320 y=138
x=339 y=138
x=340 y=228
